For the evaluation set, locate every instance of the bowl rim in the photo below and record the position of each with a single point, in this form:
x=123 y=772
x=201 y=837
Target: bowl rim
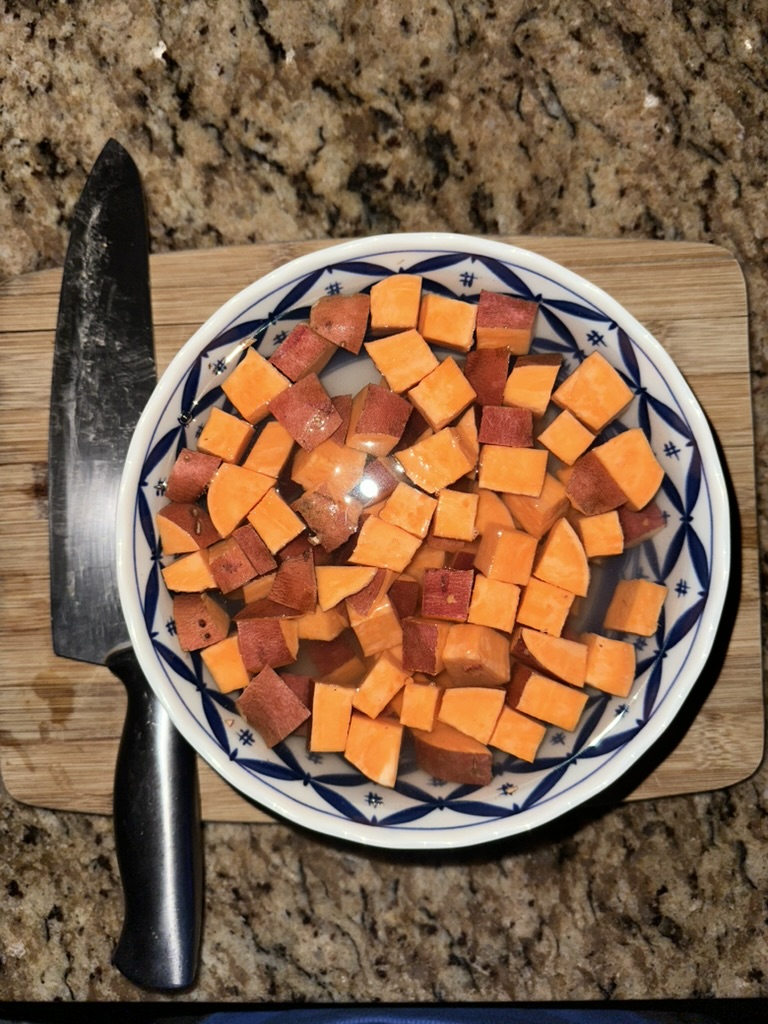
x=473 y=833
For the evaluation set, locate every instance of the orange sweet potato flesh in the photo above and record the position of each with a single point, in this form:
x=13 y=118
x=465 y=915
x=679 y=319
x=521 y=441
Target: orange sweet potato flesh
x=595 y=393
x=536 y=515
x=629 y=461
x=563 y=658
x=518 y=735
x=452 y=756
x=373 y=747
x=610 y=664
x=635 y=607
x=232 y=494
x=472 y=710
x=185 y=527
x=537 y=695
x=562 y=560
x=225 y=436
x=395 y=303
x=331 y=713
x=224 y=661
x=189 y=573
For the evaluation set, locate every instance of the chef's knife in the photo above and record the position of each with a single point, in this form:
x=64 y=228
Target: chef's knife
x=103 y=374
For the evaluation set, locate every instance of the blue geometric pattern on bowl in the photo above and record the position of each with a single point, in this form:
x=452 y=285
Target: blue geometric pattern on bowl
x=570 y=767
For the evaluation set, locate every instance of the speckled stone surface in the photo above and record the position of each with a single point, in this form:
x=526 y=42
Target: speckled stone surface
x=301 y=119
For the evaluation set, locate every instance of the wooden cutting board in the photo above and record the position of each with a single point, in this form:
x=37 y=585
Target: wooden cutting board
x=60 y=721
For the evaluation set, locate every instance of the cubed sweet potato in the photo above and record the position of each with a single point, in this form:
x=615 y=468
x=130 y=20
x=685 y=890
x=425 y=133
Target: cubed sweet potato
x=561 y=559
x=473 y=710
x=437 y=461
x=184 y=527
x=447 y=322
x=505 y=321
x=487 y=370
x=229 y=565
x=595 y=393
x=423 y=643
x=611 y=664
x=544 y=606
x=517 y=735
x=343 y=319
x=200 y=621
x=395 y=303
x=373 y=747
x=506 y=425
x=190 y=475
x=635 y=607
x=385 y=678
x=566 y=437
x=294 y=585
x=476 y=655
x=537 y=515
x=384 y=545
x=455 y=514
x=232 y=494
x=377 y=420
x=530 y=383
x=639 y=526
x=506 y=555
x=557 y=656
x=446 y=593
x=331 y=714
x=271 y=450
x=443 y=394
x=534 y=694
x=225 y=436
x=512 y=470
x=273 y=642
x=302 y=352
x=452 y=756
x=494 y=603
x=402 y=359
x=271 y=707
x=189 y=573
x=275 y=521
x=225 y=663
x=306 y=411
x=252 y=385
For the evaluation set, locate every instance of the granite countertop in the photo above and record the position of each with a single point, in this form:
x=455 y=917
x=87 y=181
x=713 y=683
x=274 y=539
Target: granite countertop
x=314 y=119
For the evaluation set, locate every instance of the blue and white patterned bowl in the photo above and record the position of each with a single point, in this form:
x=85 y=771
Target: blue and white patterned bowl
x=691 y=556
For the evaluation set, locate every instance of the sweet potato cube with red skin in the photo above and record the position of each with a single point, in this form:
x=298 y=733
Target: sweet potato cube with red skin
x=384 y=545
x=381 y=683
x=271 y=707
x=335 y=583
x=505 y=321
x=343 y=319
x=639 y=526
x=601 y=535
x=184 y=527
x=232 y=494
x=416 y=429
x=336 y=661
x=494 y=603
x=404 y=593
x=252 y=385
x=420 y=701
x=263 y=642
x=224 y=661
x=594 y=392
x=410 y=509
x=436 y=462
x=302 y=352
x=395 y=303
x=590 y=488
x=379 y=630
x=635 y=607
x=557 y=656
x=473 y=710
x=270 y=451
x=230 y=566
x=302 y=686
x=190 y=475
x=512 y=470
x=256 y=551
x=378 y=480
x=506 y=425
x=332 y=520
x=402 y=359
x=629 y=460
x=464 y=558
x=200 y=621
x=446 y=593
x=537 y=515
x=452 y=756
x=225 y=436
x=534 y=694
x=443 y=394
x=611 y=664
x=377 y=420
x=295 y=584
x=363 y=600
x=306 y=411
x=506 y=555
x=343 y=406
x=566 y=437
x=423 y=643
x=257 y=589
x=530 y=383
x=476 y=655
x=331 y=714
x=487 y=370
x=544 y=606
x=517 y=735
x=562 y=559
x=373 y=747
x=447 y=322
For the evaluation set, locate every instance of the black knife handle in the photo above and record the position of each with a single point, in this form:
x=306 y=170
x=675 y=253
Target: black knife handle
x=158 y=838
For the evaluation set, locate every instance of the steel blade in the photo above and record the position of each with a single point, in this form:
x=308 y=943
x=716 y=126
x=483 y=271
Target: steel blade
x=103 y=374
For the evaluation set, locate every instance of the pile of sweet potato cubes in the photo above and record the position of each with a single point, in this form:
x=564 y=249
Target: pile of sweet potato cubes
x=421 y=545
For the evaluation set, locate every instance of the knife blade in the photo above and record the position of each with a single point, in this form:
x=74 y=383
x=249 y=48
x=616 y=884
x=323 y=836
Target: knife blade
x=103 y=374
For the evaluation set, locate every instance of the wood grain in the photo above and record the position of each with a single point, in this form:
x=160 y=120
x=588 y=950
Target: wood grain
x=60 y=721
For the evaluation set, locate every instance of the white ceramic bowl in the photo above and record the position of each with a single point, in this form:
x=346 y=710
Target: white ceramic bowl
x=692 y=555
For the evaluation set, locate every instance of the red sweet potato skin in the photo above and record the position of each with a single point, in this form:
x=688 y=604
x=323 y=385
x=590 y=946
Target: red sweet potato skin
x=270 y=705
x=190 y=475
